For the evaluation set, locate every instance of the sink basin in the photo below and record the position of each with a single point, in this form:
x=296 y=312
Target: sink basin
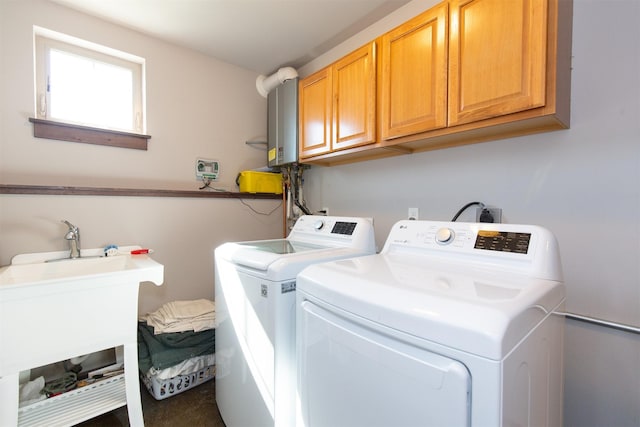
x=31 y=269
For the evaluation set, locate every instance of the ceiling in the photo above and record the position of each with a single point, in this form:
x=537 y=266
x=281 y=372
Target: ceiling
x=259 y=35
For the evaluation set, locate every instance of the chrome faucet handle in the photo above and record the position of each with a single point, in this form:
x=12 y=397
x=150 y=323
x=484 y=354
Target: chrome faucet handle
x=71 y=226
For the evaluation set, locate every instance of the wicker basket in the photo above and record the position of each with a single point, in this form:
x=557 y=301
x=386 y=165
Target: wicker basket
x=161 y=389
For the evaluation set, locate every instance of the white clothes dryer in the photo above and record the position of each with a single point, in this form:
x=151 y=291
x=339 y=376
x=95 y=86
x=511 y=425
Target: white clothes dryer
x=255 y=285
x=452 y=324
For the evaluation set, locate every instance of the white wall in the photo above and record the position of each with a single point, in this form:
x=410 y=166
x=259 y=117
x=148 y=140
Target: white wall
x=197 y=106
x=582 y=183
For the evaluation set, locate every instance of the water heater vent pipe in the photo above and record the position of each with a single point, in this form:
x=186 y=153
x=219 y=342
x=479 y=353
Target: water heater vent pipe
x=265 y=84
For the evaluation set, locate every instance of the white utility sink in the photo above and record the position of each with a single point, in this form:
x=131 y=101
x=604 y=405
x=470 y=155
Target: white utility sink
x=48 y=267
x=53 y=309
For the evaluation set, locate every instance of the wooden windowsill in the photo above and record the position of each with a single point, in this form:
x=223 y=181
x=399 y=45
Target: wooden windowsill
x=89 y=135
x=101 y=191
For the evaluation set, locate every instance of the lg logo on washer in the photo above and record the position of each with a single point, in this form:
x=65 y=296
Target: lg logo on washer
x=288 y=287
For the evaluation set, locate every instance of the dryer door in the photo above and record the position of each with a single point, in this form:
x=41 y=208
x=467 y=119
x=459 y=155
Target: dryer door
x=353 y=374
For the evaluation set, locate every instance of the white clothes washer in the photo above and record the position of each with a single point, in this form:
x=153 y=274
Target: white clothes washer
x=255 y=285
x=452 y=324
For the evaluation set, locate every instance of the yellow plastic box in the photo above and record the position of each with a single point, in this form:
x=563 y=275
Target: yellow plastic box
x=260 y=182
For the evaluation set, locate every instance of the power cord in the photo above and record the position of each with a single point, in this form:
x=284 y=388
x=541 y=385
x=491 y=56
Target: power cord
x=206 y=183
x=258 y=212
x=467 y=206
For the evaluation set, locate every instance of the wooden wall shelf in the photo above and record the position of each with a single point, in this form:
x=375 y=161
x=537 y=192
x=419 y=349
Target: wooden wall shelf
x=101 y=191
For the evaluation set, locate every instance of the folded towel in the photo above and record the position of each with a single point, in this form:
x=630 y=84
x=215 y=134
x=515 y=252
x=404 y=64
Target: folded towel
x=162 y=351
x=177 y=310
x=180 y=316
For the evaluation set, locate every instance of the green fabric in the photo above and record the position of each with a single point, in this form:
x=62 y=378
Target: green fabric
x=165 y=350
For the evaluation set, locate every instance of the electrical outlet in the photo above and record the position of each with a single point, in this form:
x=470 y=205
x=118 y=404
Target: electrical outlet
x=209 y=169
x=487 y=214
x=414 y=213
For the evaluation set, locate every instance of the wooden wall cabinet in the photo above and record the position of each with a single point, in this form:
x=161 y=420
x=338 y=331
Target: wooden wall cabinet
x=314 y=114
x=497 y=58
x=413 y=77
x=338 y=105
x=468 y=71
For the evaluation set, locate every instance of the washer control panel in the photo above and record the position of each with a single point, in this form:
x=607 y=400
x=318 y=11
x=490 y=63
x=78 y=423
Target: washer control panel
x=328 y=225
x=334 y=231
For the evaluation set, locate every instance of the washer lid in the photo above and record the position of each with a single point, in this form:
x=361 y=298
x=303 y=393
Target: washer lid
x=313 y=239
x=280 y=259
x=275 y=247
x=464 y=307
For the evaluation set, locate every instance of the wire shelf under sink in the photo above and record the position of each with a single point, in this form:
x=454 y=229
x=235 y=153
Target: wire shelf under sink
x=77 y=405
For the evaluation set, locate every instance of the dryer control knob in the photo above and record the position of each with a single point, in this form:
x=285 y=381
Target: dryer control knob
x=318 y=224
x=445 y=235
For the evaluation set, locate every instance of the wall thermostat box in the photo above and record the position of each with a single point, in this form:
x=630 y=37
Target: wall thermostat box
x=207 y=169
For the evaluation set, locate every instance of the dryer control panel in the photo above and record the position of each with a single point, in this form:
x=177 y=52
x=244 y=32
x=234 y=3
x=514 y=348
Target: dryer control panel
x=524 y=248
x=503 y=241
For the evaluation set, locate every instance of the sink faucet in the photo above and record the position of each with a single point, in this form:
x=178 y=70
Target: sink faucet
x=73 y=236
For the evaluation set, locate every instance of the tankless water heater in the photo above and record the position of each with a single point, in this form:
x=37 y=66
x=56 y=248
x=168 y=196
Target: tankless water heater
x=282 y=124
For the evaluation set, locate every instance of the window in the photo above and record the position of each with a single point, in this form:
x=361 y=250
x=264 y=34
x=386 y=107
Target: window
x=87 y=85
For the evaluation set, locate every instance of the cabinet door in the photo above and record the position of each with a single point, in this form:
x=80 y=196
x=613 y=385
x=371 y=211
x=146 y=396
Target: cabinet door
x=315 y=113
x=414 y=75
x=496 y=58
x=354 y=102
